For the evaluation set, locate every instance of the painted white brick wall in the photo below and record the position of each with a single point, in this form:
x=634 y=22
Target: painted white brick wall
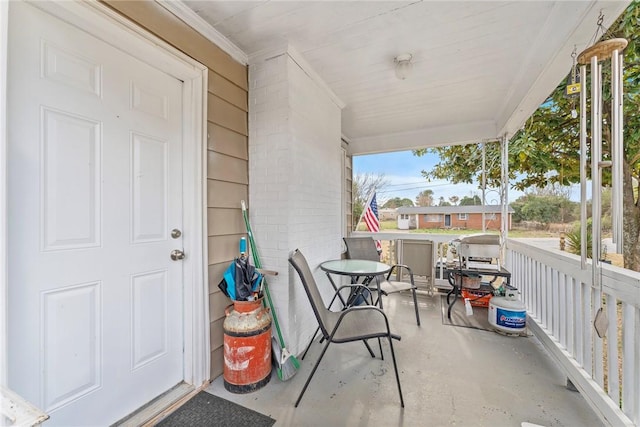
x=294 y=184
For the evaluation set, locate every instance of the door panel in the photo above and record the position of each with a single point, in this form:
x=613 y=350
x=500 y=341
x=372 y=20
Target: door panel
x=149 y=320
x=149 y=177
x=71 y=190
x=71 y=320
x=95 y=186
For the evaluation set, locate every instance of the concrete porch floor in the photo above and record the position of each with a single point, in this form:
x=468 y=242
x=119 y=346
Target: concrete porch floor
x=450 y=376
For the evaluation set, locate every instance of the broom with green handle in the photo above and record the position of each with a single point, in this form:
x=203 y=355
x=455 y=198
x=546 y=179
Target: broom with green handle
x=287 y=364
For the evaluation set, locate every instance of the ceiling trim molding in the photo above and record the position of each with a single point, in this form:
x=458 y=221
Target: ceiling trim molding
x=191 y=18
x=269 y=53
x=463 y=133
x=306 y=67
x=286 y=48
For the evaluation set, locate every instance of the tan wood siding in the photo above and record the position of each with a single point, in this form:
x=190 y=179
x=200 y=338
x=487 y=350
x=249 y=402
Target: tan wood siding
x=225 y=194
x=226 y=248
x=226 y=141
x=216 y=305
x=217 y=359
x=226 y=168
x=227 y=154
x=225 y=89
x=216 y=335
x=224 y=221
x=215 y=275
x=226 y=114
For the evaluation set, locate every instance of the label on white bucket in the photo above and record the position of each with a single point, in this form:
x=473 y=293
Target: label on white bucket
x=510 y=319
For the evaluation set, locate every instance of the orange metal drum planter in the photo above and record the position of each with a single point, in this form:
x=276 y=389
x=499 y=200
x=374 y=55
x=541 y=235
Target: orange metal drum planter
x=247 y=346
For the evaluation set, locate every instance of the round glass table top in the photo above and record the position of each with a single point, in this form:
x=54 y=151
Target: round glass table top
x=358 y=267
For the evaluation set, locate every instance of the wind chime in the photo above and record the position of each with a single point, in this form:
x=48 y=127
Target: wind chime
x=593 y=58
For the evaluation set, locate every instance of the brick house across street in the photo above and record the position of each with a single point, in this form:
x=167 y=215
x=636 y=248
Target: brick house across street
x=456 y=217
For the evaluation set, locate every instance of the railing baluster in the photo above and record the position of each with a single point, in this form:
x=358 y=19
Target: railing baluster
x=613 y=380
x=598 y=370
x=585 y=313
x=587 y=341
x=539 y=293
x=571 y=316
x=562 y=309
x=548 y=301
x=630 y=362
x=535 y=284
x=555 y=304
x=530 y=281
x=579 y=352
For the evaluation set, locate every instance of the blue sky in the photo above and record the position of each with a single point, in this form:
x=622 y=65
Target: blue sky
x=403 y=170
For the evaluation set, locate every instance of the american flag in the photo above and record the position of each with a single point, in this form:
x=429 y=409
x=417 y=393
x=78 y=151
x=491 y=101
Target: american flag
x=370 y=218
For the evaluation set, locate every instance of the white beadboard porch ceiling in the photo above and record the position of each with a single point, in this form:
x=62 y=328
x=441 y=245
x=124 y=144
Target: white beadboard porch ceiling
x=480 y=67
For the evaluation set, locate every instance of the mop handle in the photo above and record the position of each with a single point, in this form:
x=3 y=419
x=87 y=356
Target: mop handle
x=256 y=261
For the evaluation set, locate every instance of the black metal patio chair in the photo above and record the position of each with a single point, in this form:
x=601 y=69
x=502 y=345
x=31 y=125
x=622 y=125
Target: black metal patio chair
x=365 y=248
x=357 y=323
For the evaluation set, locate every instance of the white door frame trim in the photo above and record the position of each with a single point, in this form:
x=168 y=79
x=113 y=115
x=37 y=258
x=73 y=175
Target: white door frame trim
x=116 y=30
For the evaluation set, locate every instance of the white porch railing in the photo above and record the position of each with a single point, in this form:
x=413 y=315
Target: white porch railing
x=561 y=304
x=440 y=245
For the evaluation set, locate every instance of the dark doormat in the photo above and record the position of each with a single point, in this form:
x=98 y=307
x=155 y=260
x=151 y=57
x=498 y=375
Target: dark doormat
x=479 y=319
x=205 y=409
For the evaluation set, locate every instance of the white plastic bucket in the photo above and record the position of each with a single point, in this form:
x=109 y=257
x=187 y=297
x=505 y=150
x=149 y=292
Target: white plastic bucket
x=507 y=315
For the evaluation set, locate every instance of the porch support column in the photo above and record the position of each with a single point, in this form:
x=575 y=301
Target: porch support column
x=504 y=188
x=295 y=180
x=4 y=27
x=484 y=185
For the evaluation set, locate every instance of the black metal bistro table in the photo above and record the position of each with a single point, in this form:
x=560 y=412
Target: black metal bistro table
x=355 y=269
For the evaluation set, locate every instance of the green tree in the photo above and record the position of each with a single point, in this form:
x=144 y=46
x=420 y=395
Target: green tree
x=470 y=201
x=425 y=198
x=544 y=209
x=546 y=150
x=397 y=202
x=443 y=202
x=362 y=186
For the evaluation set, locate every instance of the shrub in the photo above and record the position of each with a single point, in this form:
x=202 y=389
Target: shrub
x=573 y=239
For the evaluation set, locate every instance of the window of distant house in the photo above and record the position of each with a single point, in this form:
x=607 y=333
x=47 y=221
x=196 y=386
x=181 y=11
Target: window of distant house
x=404 y=216
x=432 y=218
x=463 y=216
x=490 y=216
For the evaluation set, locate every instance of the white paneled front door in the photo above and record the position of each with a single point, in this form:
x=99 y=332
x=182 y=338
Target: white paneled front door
x=95 y=190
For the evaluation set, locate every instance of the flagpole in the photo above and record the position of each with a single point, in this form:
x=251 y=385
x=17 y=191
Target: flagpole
x=364 y=207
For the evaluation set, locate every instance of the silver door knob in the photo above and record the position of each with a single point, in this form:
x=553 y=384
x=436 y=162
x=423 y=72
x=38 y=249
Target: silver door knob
x=177 y=255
